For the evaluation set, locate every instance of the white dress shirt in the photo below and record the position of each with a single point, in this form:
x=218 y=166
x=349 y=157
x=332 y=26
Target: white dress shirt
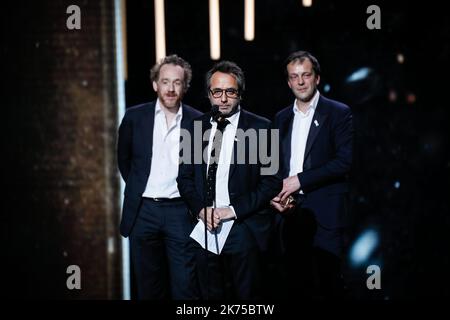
x=300 y=131
x=162 y=182
x=226 y=152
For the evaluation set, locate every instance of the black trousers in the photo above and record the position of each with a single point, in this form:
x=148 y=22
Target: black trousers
x=236 y=272
x=163 y=254
x=311 y=271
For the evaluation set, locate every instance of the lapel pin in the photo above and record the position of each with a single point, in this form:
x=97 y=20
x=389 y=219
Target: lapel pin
x=236 y=139
x=316 y=123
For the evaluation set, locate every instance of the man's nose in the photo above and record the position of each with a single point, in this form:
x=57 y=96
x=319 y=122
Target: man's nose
x=224 y=97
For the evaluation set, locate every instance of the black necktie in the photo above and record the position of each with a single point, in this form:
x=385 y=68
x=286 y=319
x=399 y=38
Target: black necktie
x=214 y=161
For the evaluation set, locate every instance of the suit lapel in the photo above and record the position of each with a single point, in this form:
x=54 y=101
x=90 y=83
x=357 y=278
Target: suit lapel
x=147 y=125
x=286 y=136
x=185 y=119
x=242 y=124
x=316 y=124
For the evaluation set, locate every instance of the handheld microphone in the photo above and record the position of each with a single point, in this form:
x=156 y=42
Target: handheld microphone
x=218 y=116
x=215 y=113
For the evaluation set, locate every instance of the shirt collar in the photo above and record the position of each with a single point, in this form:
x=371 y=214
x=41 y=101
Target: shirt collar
x=312 y=105
x=158 y=109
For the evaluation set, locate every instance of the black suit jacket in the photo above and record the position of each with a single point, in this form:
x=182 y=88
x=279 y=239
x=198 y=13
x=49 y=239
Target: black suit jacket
x=327 y=160
x=134 y=154
x=249 y=191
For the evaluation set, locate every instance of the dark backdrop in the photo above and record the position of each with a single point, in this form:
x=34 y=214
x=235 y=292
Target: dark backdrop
x=400 y=178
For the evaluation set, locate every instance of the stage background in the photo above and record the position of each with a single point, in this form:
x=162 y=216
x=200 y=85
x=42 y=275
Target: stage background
x=60 y=182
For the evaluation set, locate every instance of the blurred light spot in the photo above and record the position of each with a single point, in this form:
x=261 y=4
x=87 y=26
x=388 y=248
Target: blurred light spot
x=410 y=98
x=362 y=84
x=326 y=88
x=84 y=83
x=359 y=74
x=363 y=247
x=307 y=3
x=111 y=245
x=392 y=96
x=400 y=58
x=397 y=184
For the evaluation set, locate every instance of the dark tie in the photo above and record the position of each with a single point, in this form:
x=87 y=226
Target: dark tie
x=213 y=161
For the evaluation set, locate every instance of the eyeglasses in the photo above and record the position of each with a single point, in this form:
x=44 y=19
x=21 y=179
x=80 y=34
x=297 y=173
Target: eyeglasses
x=230 y=93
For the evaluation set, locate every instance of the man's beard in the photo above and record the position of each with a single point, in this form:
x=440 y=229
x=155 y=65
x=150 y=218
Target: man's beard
x=170 y=103
x=309 y=97
x=231 y=112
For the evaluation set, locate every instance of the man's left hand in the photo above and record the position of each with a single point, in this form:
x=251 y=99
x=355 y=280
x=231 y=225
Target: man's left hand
x=225 y=213
x=290 y=185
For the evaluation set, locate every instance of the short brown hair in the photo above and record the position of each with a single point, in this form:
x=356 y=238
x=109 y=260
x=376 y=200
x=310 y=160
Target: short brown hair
x=177 y=61
x=301 y=56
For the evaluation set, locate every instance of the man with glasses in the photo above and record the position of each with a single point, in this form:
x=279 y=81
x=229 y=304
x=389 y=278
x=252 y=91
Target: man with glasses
x=233 y=185
x=154 y=216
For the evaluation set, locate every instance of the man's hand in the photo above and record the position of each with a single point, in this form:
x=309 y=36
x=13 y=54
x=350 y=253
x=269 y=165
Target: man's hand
x=211 y=224
x=225 y=213
x=281 y=206
x=290 y=185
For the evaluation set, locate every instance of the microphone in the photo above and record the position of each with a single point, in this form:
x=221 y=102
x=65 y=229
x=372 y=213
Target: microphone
x=215 y=113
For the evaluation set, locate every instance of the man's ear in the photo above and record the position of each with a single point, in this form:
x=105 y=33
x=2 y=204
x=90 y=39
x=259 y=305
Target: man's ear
x=155 y=86
x=318 y=80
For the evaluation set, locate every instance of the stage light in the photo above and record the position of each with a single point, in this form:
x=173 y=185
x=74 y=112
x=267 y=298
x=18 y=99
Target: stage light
x=363 y=247
x=123 y=9
x=392 y=96
x=400 y=58
x=359 y=74
x=249 y=33
x=214 y=29
x=326 y=88
x=121 y=48
x=307 y=3
x=361 y=85
x=160 y=30
x=397 y=185
x=410 y=98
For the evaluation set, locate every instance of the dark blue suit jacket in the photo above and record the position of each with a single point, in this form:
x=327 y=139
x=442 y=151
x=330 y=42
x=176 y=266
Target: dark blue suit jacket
x=327 y=160
x=134 y=155
x=249 y=191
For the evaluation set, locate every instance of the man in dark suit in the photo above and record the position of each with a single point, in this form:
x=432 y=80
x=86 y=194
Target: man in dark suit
x=154 y=216
x=241 y=191
x=316 y=153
